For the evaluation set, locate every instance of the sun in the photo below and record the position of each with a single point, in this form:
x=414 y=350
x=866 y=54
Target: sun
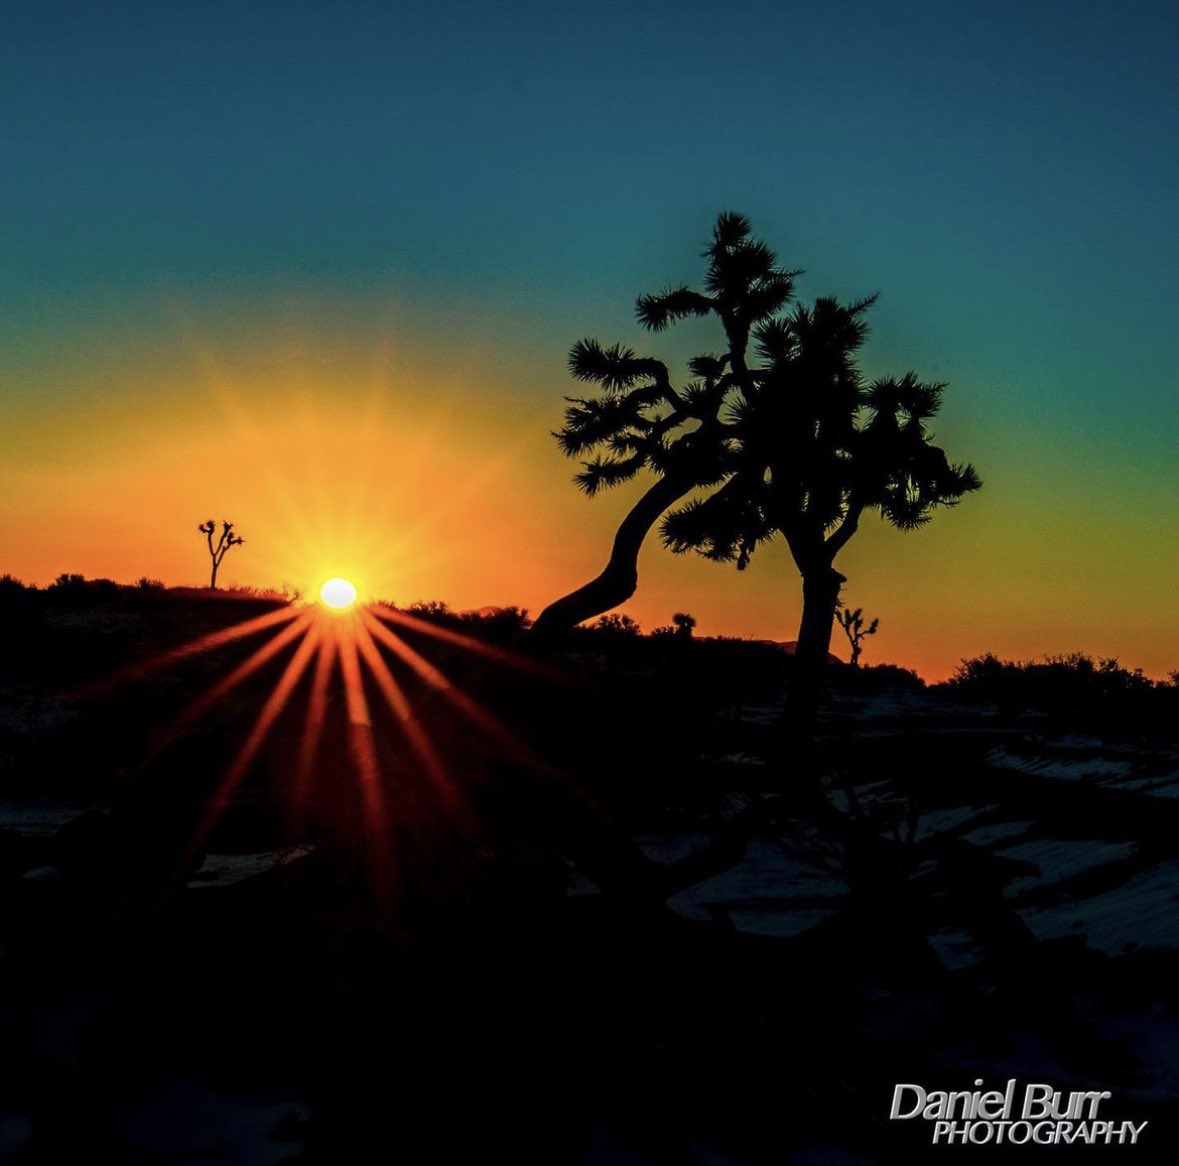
x=338 y=593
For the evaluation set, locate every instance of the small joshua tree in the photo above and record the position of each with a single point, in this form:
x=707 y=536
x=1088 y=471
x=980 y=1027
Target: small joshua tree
x=852 y=623
x=219 y=549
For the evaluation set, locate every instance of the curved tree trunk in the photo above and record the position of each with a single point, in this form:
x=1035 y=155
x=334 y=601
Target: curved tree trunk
x=820 y=595
x=619 y=578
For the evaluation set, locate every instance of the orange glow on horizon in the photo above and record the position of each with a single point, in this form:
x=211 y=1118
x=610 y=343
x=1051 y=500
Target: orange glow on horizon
x=379 y=447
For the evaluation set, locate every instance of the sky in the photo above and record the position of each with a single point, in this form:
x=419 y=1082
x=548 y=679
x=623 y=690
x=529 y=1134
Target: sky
x=316 y=268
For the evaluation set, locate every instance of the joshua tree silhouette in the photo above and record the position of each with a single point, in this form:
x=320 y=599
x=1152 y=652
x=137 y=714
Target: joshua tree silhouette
x=219 y=549
x=639 y=419
x=814 y=447
x=797 y=445
x=852 y=623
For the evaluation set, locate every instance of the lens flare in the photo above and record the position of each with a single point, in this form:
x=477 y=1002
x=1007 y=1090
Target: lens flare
x=360 y=666
x=338 y=593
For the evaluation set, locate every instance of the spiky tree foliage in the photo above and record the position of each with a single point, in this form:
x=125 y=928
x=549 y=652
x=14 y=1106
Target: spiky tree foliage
x=639 y=422
x=852 y=623
x=633 y=423
x=815 y=447
x=219 y=549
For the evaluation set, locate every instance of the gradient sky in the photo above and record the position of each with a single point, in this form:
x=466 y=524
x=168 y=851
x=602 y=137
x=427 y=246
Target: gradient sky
x=316 y=267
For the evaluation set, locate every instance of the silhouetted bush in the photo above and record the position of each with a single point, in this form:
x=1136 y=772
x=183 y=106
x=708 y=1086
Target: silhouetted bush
x=614 y=625
x=245 y=592
x=682 y=625
x=76 y=588
x=66 y=582
x=430 y=609
x=498 y=619
x=1074 y=686
x=21 y=623
x=874 y=678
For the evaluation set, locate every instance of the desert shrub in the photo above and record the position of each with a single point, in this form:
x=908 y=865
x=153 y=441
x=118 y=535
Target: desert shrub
x=615 y=624
x=1074 y=686
x=875 y=678
x=499 y=620
x=74 y=587
x=435 y=609
x=68 y=582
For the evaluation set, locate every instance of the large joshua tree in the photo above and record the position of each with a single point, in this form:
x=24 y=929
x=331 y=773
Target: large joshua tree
x=815 y=447
x=639 y=422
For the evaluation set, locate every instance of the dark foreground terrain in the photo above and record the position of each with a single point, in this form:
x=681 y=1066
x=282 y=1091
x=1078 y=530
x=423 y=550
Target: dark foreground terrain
x=612 y=935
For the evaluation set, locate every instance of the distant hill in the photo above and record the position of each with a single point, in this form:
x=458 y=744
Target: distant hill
x=791 y=646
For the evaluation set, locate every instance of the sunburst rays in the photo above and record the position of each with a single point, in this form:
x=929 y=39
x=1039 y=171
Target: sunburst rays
x=468 y=708
x=357 y=670
x=319 y=438
x=142 y=669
